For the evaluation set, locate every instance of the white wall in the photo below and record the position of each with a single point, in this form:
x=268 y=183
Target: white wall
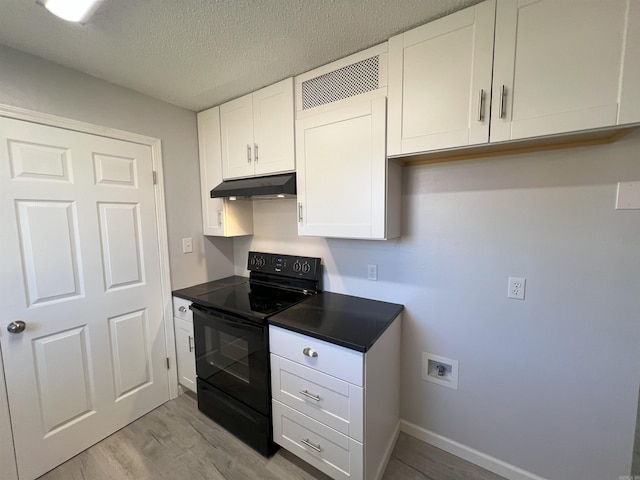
x=549 y=384
x=30 y=82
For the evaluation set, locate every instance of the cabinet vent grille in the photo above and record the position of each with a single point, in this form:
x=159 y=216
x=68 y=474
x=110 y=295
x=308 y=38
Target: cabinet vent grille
x=342 y=83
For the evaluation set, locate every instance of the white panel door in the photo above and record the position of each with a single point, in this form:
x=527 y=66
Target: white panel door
x=440 y=82
x=557 y=67
x=80 y=266
x=236 y=128
x=273 y=125
x=342 y=171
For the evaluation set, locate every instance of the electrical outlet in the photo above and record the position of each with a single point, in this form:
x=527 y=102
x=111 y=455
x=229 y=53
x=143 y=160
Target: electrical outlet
x=516 y=288
x=628 y=196
x=372 y=272
x=187 y=245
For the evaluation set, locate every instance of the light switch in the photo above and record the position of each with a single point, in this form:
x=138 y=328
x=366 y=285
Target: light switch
x=628 y=197
x=187 y=245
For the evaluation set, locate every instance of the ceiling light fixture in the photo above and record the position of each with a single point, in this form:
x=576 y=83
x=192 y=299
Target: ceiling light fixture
x=72 y=10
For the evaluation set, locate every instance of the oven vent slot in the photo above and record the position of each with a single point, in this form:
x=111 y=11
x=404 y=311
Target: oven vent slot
x=345 y=82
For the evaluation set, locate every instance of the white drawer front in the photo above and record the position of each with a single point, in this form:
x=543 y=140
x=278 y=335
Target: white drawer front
x=329 y=451
x=181 y=309
x=331 y=359
x=329 y=400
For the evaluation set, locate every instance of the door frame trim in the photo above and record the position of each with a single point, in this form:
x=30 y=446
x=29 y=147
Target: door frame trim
x=17 y=113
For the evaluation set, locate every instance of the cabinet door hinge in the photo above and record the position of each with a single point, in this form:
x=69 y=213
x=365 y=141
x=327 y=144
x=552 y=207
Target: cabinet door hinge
x=168 y=368
x=155 y=177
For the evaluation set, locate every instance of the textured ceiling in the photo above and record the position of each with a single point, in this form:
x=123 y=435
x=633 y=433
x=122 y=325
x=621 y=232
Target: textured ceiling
x=200 y=53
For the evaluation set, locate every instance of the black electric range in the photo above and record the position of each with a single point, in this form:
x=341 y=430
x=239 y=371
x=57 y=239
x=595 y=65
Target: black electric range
x=232 y=341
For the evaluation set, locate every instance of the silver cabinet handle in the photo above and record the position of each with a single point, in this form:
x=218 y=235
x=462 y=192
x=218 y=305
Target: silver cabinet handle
x=16 y=326
x=248 y=153
x=481 y=105
x=305 y=441
x=255 y=152
x=310 y=395
x=182 y=309
x=219 y=217
x=310 y=352
x=190 y=343
x=503 y=98
x=299 y=212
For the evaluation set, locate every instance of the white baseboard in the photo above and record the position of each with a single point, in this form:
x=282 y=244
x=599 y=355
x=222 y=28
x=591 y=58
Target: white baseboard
x=483 y=460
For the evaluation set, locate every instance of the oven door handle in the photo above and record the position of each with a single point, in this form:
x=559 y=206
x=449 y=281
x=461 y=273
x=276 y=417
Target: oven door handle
x=224 y=317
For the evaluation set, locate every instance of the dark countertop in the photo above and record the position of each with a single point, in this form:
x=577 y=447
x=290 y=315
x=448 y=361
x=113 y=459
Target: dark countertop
x=351 y=322
x=192 y=293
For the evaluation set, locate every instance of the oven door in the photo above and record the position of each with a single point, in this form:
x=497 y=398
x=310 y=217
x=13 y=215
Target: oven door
x=232 y=354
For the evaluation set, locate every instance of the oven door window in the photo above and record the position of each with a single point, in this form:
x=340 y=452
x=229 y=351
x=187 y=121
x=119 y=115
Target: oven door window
x=232 y=355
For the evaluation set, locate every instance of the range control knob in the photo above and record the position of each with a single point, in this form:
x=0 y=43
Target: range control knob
x=253 y=261
x=296 y=266
x=261 y=262
x=306 y=267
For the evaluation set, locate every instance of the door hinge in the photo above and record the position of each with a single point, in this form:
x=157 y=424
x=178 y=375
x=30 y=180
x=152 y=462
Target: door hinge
x=168 y=368
x=155 y=177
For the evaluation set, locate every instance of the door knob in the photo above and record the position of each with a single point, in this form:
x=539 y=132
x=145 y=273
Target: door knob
x=16 y=327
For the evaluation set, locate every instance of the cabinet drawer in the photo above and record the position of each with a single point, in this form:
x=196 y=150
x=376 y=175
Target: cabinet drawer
x=329 y=451
x=181 y=309
x=329 y=400
x=331 y=359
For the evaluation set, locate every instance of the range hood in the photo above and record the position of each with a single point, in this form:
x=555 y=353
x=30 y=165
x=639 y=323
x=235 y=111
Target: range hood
x=272 y=186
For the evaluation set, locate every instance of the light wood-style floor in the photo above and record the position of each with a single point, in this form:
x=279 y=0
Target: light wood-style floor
x=176 y=442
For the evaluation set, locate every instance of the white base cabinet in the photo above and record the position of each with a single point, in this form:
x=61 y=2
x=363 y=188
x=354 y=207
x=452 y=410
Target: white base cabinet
x=339 y=411
x=220 y=217
x=185 y=350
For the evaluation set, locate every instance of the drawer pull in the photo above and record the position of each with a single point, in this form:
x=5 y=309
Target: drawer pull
x=305 y=441
x=190 y=343
x=310 y=395
x=310 y=352
x=182 y=309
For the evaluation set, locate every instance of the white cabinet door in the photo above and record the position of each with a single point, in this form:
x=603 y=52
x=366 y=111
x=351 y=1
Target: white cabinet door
x=185 y=354
x=220 y=217
x=236 y=119
x=440 y=82
x=629 y=89
x=342 y=171
x=273 y=121
x=257 y=132
x=557 y=67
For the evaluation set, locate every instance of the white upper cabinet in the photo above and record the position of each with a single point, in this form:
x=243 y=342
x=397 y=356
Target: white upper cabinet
x=440 y=82
x=346 y=186
x=220 y=217
x=560 y=67
x=554 y=67
x=257 y=132
x=342 y=172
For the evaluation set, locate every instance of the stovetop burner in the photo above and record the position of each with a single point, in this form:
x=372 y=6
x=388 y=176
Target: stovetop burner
x=253 y=298
x=276 y=282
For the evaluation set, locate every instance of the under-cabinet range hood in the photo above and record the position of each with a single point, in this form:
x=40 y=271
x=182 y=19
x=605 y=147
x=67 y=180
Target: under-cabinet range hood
x=272 y=186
